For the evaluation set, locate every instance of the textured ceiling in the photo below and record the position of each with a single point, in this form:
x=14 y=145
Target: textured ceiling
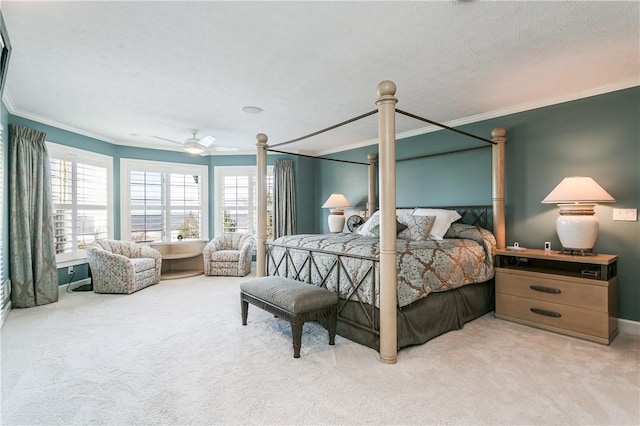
x=113 y=69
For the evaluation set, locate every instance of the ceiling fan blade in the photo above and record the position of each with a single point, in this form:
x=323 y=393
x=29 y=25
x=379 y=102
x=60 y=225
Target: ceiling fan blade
x=166 y=140
x=207 y=140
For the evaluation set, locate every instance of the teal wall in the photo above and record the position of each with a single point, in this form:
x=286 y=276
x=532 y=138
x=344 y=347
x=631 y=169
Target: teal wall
x=596 y=136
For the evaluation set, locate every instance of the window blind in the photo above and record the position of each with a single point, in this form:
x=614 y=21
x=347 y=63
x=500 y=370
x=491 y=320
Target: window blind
x=81 y=198
x=236 y=199
x=165 y=206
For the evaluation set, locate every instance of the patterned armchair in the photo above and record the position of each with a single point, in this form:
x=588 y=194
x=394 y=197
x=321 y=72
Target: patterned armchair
x=122 y=267
x=229 y=255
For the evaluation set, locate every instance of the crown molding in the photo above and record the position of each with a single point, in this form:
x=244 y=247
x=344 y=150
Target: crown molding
x=13 y=110
x=496 y=113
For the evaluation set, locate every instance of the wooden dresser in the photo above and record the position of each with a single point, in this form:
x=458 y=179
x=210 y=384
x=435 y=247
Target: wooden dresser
x=569 y=294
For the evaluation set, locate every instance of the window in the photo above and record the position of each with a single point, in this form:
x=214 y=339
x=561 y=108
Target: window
x=163 y=201
x=236 y=204
x=81 y=193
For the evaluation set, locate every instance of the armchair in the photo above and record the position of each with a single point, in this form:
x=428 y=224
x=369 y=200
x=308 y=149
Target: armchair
x=122 y=267
x=229 y=255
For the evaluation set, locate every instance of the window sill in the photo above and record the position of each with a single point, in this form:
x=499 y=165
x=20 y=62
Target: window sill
x=71 y=262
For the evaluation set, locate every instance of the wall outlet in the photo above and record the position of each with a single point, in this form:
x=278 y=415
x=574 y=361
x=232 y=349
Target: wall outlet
x=630 y=215
x=69 y=270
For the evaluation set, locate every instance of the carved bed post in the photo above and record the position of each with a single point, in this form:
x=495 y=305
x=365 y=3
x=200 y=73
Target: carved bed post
x=387 y=185
x=497 y=153
x=371 y=201
x=261 y=184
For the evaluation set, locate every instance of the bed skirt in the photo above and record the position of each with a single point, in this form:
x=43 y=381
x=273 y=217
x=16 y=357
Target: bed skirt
x=423 y=319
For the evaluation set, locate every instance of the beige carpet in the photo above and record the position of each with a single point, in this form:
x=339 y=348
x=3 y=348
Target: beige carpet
x=176 y=353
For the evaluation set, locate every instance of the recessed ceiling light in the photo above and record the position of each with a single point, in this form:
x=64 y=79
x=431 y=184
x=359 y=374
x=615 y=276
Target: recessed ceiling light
x=252 y=109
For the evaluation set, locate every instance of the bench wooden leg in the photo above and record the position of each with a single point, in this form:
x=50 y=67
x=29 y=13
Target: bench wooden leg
x=244 y=307
x=296 y=331
x=333 y=319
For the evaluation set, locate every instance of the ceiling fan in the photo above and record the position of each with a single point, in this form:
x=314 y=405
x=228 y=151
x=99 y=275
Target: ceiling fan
x=203 y=146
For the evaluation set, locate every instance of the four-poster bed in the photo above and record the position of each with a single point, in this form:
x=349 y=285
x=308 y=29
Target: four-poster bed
x=371 y=312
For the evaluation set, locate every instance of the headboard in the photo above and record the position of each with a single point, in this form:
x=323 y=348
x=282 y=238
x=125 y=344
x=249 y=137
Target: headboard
x=471 y=215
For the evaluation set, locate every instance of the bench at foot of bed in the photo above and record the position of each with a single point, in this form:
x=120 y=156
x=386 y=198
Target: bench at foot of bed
x=293 y=301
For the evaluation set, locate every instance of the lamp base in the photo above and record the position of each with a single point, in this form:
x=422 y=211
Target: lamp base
x=336 y=221
x=577 y=228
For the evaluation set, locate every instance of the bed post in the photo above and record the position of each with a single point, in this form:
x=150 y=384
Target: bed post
x=497 y=153
x=387 y=184
x=371 y=200
x=261 y=183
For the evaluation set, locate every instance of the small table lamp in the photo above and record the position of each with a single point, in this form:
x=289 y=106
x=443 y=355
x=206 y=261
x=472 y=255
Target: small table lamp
x=336 y=202
x=577 y=225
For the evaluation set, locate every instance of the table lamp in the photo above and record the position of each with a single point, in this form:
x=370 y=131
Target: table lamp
x=577 y=225
x=336 y=203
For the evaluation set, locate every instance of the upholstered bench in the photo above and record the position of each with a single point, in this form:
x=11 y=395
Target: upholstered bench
x=291 y=300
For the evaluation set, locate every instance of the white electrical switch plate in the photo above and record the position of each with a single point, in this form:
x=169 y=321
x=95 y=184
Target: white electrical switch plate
x=630 y=215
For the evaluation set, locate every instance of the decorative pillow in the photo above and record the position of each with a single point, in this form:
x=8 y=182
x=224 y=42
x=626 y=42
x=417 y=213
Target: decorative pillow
x=444 y=219
x=370 y=223
x=375 y=231
x=418 y=227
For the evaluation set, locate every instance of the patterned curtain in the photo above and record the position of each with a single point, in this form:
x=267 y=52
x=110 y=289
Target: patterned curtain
x=32 y=262
x=284 y=199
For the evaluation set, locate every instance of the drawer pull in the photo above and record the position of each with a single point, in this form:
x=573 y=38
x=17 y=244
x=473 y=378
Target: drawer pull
x=545 y=312
x=545 y=289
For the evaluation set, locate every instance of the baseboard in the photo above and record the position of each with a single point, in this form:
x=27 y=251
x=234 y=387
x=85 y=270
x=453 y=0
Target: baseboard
x=5 y=313
x=628 y=327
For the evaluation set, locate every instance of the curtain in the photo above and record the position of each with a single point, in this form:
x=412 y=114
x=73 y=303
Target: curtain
x=32 y=261
x=284 y=199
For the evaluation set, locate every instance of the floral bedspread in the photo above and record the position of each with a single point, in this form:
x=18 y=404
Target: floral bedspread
x=464 y=257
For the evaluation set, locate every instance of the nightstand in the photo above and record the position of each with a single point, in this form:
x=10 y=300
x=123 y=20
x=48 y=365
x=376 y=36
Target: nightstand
x=569 y=294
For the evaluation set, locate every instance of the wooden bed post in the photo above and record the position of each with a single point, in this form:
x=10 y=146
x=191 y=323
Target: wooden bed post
x=371 y=200
x=387 y=184
x=497 y=153
x=261 y=184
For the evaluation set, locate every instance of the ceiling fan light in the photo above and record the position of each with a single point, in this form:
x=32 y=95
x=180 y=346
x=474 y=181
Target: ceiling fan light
x=192 y=146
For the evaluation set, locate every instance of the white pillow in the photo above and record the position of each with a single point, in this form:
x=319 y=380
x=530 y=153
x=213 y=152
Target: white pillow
x=444 y=219
x=370 y=223
x=400 y=213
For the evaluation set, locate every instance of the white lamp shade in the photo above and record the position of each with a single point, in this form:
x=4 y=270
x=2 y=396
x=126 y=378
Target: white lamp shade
x=336 y=201
x=578 y=189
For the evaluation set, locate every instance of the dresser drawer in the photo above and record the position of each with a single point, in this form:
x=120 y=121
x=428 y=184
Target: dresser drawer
x=577 y=292
x=555 y=316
